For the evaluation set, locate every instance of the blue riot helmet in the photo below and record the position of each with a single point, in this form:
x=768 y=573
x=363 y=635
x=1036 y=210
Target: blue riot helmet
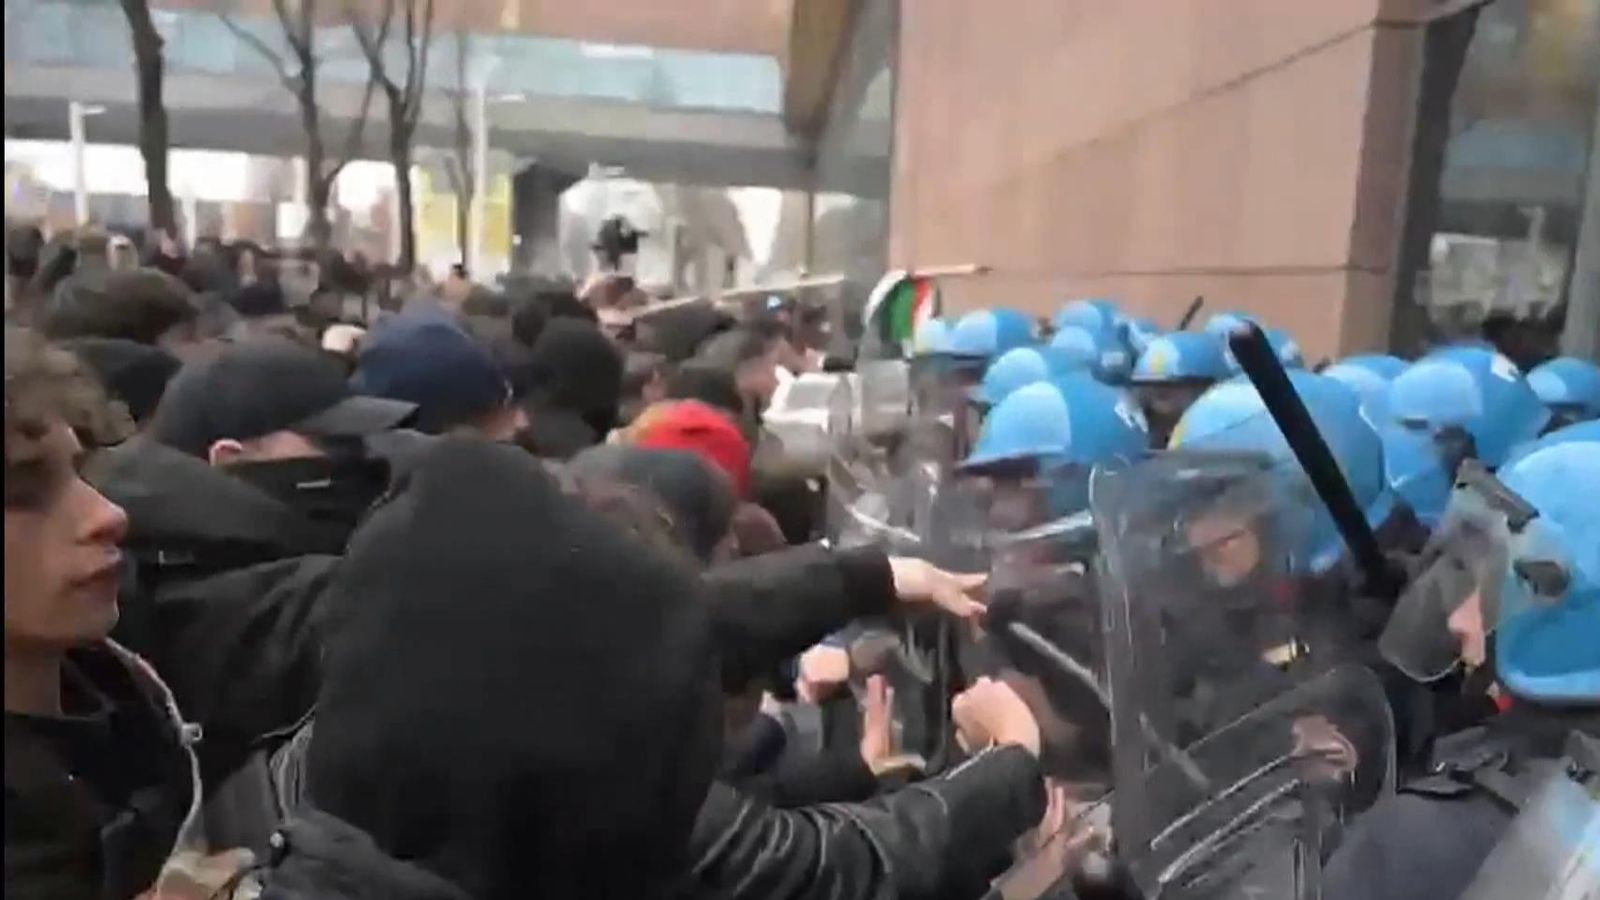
x=1284 y=346
x=1369 y=376
x=1092 y=315
x=1074 y=349
x=1074 y=419
x=1171 y=374
x=1232 y=417
x=1073 y=422
x=987 y=333
x=1569 y=386
x=1223 y=324
x=1455 y=403
x=1101 y=353
x=1548 y=643
x=1578 y=432
x=1137 y=333
x=942 y=379
x=1014 y=369
x=1512 y=574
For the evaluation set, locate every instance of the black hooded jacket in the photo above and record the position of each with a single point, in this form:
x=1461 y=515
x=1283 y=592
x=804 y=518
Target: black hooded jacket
x=97 y=800
x=518 y=713
x=227 y=580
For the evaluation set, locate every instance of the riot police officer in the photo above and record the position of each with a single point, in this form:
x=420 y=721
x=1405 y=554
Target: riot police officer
x=1172 y=373
x=1513 y=584
x=1456 y=403
x=1570 y=387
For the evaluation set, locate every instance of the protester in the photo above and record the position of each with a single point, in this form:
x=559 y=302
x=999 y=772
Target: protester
x=752 y=357
x=429 y=361
x=551 y=799
x=143 y=306
x=262 y=310
x=249 y=479
x=697 y=498
x=644 y=381
x=600 y=645
x=710 y=385
x=698 y=428
x=133 y=373
x=100 y=784
x=575 y=392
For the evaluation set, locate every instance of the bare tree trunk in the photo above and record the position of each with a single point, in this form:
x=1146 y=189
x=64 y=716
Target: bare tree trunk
x=400 y=154
x=319 y=185
x=154 y=137
x=464 y=221
x=298 y=18
x=462 y=176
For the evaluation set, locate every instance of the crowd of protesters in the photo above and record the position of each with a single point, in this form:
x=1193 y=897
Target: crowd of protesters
x=482 y=595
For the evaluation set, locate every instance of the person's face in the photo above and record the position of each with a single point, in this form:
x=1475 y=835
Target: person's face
x=1466 y=623
x=62 y=562
x=1228 y=547
x=758 y=378
x=279 y=445
x=504 y=424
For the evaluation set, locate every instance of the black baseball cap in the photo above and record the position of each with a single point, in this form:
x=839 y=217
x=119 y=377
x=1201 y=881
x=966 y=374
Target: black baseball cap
x=267 y=384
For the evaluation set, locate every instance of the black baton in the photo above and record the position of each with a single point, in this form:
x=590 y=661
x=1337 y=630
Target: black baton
x=1260 y=363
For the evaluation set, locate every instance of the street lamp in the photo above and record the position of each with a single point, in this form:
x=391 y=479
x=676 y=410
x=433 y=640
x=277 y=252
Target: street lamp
x=477 y=218
x=76 y=113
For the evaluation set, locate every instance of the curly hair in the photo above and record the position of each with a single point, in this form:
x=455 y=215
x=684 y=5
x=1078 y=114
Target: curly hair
x=45 y=385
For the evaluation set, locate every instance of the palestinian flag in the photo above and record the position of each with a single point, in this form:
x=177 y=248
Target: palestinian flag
x=898 y=305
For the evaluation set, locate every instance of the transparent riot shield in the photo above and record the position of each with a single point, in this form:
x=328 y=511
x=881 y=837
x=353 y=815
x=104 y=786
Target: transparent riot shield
x=1459 y=577
x=1486 y=566
x=941 y=407
x=1042 y=633
x=1253 y=810
x=1219 y=668
x=1552 y=849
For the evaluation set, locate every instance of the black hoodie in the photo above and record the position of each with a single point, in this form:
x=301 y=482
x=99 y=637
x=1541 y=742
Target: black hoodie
x=518 y=698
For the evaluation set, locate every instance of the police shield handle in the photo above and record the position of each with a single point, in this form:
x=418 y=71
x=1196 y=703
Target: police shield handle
x=1261 y=364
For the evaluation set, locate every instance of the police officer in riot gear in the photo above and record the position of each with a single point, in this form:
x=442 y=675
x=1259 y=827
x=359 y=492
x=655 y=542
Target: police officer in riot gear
x=1512 y=582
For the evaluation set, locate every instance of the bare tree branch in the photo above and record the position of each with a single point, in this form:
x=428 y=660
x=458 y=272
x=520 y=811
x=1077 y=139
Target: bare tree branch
x=260 y=46
x=353 y=138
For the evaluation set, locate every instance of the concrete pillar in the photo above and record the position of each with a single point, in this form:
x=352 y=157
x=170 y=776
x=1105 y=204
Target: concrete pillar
x=1582 y=334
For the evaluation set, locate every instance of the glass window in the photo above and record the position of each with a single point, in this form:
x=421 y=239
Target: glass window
x=1505 y=199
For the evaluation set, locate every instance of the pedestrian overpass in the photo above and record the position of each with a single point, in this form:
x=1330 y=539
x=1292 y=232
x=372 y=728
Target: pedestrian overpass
x=680 y=116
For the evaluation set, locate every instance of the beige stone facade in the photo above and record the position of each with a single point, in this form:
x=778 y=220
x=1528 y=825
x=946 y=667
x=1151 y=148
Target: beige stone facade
x=1251 y=151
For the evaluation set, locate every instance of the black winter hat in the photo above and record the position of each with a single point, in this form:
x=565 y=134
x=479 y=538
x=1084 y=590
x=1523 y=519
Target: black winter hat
x=575 y=368
x=516 y=695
